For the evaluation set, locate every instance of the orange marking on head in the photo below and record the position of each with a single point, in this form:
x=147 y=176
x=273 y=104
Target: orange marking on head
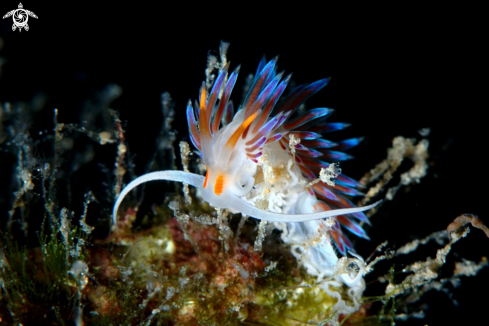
x=206 y=178
x=234 y=138
x=219 y=185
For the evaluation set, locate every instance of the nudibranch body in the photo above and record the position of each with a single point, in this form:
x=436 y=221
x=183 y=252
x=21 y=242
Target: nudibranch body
x=251 y=157
x=264 y=162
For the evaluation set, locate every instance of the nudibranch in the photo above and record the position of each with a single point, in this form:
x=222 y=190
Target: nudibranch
x=254 y=166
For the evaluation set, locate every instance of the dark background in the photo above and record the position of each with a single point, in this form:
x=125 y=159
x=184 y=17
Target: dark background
x=391 y=75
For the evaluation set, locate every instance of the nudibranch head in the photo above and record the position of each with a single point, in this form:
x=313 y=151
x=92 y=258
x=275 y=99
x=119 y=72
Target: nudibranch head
x=254 y=163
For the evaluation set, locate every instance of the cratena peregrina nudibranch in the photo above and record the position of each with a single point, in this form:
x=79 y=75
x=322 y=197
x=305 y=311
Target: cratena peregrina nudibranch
x=262 y=161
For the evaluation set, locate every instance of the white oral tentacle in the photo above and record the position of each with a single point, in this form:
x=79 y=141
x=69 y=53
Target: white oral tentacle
x=244 y=207
x=192 y=179
x=233 y=201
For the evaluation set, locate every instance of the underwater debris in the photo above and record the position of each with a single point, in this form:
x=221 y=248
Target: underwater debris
x=401 y=149
x=426 y=271
x=184 y=155
x=465 y=219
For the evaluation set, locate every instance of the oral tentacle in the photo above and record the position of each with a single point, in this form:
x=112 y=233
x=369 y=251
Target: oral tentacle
x=244 y=207
x=233 y=201
x=193 y=179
